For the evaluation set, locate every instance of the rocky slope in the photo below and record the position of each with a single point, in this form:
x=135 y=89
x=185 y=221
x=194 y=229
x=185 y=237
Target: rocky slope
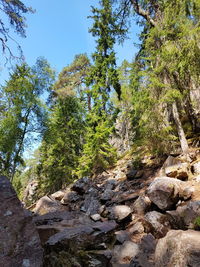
x=126 y=216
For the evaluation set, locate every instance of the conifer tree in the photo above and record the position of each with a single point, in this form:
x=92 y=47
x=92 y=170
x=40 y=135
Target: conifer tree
x=170 y=54
x=103 y=77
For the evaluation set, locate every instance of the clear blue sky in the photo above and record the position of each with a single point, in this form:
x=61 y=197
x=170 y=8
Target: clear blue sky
x=59 y=30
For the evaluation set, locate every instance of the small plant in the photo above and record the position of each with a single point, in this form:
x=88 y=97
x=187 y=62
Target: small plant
x=197 y=223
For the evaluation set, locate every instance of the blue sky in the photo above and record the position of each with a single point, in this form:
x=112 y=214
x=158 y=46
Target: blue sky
x=59 y=30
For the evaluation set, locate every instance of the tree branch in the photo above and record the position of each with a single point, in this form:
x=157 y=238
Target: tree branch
x=141 y=12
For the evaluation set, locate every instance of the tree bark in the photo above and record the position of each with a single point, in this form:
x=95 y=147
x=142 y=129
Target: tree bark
x=181 y=134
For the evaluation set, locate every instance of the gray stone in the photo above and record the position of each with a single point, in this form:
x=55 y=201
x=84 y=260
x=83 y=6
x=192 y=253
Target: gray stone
x=145 y=257
x=196 y=168
x=185 y=216
x=122 y=236
x=47 y=204
x=82 y=185
x=95 y=217
x=131 y=174
x=70 y=196
x=141 y=205
x=122 y=254
x=159 y=223
x=164 y=192
x=58 y=195
x=119 y=212
x=178 y=248
x=107 y=195
x=19 y=240
x=180 y=171
x=91 y=205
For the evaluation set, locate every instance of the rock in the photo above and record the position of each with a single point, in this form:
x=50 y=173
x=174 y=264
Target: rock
x=46 y=204
x=196 y=168
x=119 y=212
x=141 y=205
x=91 y=205
x=110 y=184
x=164 y=192
x=122 y=254
x=82 y=185
x=105 y=227
x=131 y=174
x=145 y=257
x=79 y=243
x=186 y=215
x=180 y=171
x=70 y=196
x=97 y=258
x=187 y=192
x=95 y=217
x=52 y=223
x=107 y=195
x=30 y=193
x=19 y=240
x=178 y=248
x=58 y=195
x=122 y=236
x=121 y=197
x=170 y=161
x=120 y=176
x=136 y=228
x=78 y=233
x=159 y=223
x=57 y=216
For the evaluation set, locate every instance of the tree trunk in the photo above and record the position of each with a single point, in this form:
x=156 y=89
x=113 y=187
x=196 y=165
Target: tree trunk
x=181 y=134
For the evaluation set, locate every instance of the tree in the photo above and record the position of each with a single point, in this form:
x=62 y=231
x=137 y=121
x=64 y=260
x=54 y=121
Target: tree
x=72 y=79
x=103 y=77
x=171 y=31
x=23 y=112
x=61 y=145
x=13 y=10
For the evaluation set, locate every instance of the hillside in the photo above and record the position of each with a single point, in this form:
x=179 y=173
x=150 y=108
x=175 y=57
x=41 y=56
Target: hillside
x=125 y=216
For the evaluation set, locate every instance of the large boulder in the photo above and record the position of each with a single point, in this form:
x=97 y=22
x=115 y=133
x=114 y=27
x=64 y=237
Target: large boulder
x=47 y=204
x=178 y=248
x=164 y=192
x=19 y=240
x=79 y=242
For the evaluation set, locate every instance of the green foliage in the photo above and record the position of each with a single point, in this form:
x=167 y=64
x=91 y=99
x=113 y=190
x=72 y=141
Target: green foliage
x=62 y=144
x=14 y=12
x=98 y=154
x=72 y=77
x=197 y=222
x=103 y=77
x=22 y=112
